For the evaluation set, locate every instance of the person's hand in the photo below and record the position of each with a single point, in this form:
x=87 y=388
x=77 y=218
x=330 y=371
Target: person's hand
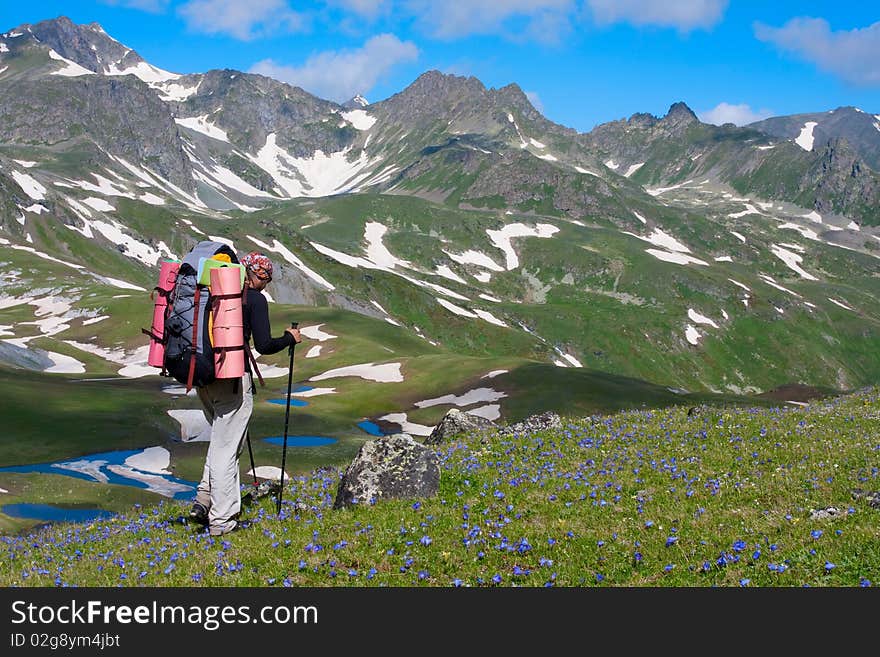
x=297 y=338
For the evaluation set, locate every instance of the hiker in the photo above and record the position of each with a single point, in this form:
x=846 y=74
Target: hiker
x=228 y=406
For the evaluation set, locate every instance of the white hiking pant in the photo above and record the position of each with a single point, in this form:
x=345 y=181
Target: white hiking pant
x=228 y=405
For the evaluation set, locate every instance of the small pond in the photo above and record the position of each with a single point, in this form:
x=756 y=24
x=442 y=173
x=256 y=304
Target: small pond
x=50 y=513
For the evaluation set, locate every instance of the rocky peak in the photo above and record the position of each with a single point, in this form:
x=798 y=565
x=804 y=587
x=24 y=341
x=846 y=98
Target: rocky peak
x=679 y=114
x=93 y=49
x=441 y=85
x=435 y=96
x=87 y=45
x=358 y=102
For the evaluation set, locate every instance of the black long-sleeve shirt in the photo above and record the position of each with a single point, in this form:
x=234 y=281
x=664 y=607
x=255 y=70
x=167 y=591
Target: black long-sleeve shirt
x=256 y=324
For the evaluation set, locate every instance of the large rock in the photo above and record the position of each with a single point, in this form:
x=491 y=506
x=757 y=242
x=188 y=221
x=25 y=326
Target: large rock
x=539 y=422
x=456 y=422
x=394 y=466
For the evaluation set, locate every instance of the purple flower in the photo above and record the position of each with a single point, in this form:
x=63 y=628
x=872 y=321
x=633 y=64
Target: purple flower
x=496 y=578
x=816 y=533
x=829 y=566
x=425 y=540
x=671 y=540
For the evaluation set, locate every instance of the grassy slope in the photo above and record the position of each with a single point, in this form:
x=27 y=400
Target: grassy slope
x=642 y=498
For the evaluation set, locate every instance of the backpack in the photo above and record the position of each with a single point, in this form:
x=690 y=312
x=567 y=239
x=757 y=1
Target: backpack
x=189 y=356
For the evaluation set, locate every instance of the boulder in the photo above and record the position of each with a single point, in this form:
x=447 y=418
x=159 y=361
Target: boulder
x=456 y=422
x=539 y=422
x=395 y=466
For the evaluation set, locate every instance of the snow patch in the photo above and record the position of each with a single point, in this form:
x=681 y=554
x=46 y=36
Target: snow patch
x=663 y=240
x=676 y=258
x=502 y=238
x=71 y=69
x=792 y=261
x=805 y=138
x=632 y=169
x=314 y=332
x=30 y=186
x=406 y=426
x=146 y=72
x=474 y=396
x=202 y=125
x=493 y=374
x=360 y=119
x=697 y=318
x=383 y=373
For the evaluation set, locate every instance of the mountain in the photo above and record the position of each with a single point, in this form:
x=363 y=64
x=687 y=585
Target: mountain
x=831 y=178
x=708 y=258
x=813 y=131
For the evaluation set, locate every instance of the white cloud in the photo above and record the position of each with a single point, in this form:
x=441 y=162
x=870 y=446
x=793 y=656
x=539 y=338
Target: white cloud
x=684 y=15
x=241 y=19
x=340 y=74
x=854 y=55
x=737 y=114
x=542 y=20
x=153 y=6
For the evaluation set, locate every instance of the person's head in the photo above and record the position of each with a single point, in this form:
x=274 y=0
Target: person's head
x=258 y=268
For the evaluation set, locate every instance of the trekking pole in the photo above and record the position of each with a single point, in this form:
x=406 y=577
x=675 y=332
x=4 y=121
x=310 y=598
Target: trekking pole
x=247 y=436
x=286 y=420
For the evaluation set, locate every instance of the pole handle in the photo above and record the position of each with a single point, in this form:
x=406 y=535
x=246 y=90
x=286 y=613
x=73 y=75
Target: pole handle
x=293 y=325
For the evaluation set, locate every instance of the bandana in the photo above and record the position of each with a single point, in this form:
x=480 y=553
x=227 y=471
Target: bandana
x=258 y=264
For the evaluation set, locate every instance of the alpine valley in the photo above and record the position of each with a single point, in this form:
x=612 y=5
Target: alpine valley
x=446 y=247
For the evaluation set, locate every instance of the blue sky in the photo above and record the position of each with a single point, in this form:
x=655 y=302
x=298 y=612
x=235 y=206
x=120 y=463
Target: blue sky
x=582 y=62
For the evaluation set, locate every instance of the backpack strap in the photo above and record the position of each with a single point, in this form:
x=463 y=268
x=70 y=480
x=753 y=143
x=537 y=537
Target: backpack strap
x=247 y=347
x=195 y=340
x=253 y=362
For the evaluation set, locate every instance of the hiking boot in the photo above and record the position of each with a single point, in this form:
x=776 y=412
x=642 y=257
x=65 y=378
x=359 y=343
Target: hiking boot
x=199 y=513
x=235 y=527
